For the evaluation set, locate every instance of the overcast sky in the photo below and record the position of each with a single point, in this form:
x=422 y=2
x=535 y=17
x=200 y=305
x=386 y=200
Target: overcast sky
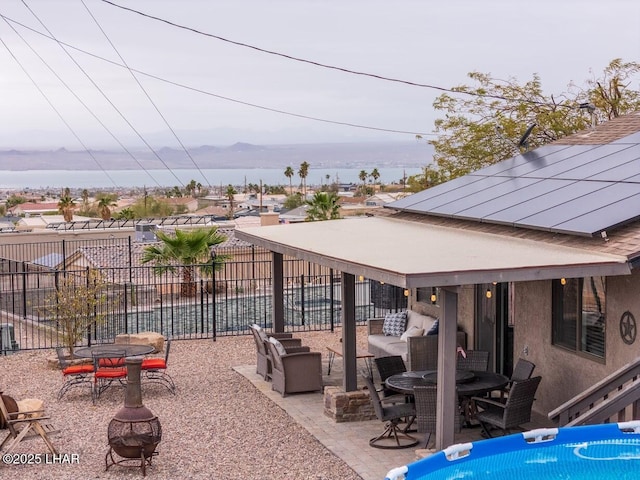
x=429 y=42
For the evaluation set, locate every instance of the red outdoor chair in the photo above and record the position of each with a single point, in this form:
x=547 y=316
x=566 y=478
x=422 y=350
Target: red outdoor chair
x=154 y=370
x=73 y=375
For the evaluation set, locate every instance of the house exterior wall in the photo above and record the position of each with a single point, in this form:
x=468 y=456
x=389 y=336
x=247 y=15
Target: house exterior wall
x=566 y=373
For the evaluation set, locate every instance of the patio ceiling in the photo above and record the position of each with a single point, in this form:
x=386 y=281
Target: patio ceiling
x=412 y=254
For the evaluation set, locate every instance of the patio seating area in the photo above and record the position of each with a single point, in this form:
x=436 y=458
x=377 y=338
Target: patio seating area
x=288 y=435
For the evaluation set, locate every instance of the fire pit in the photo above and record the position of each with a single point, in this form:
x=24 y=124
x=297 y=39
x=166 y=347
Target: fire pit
x=134 y=432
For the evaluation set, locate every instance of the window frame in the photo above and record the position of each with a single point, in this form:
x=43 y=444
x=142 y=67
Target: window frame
x=565 y=321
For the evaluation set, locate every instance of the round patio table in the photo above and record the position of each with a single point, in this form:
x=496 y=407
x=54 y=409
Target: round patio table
x=130 y=350
x=468 y=384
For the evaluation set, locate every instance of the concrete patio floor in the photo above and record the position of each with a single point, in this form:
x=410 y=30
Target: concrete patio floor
x=350 y=441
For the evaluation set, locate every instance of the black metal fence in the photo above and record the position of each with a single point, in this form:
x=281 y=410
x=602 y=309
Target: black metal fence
x=140 y=299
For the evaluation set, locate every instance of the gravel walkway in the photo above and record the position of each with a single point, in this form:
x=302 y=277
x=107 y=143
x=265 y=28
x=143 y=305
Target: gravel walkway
x=217 y=426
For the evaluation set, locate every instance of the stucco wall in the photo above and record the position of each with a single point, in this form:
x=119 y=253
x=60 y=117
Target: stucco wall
x=564 y=373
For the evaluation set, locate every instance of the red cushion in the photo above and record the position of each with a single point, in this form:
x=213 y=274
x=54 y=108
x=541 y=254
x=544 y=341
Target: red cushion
x=111 y=362
x=77 y=369
x=153 y=363
x=111 y=373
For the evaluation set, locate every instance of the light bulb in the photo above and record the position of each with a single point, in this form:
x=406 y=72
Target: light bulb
x=563 y=281
x=406 y=293
x=489 y=294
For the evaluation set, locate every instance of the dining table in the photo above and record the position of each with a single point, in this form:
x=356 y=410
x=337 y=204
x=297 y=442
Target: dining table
x=468 y=384
x=129 y=349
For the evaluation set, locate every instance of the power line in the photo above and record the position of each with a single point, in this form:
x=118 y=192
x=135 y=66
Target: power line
x=221 y=97
x=83 y=104
x=104 y=94
x=147 y=94
x=318 y=64
x=73 y=132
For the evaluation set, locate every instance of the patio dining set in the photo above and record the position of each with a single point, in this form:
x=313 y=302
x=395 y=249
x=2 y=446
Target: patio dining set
x=407 y=400
x=108 y=368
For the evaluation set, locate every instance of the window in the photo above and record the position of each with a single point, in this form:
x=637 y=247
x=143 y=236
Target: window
x=578 y=316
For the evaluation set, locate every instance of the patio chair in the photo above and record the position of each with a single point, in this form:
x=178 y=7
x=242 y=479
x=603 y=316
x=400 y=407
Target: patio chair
x=260 y=337
x=511 y=414
x=522 y=371
x=73 y=375
x=154 y=370
x=476 y=360
x=23 y=425
x=387 y=366
x=393 y=436
x=294 y=372
x=108 y=368
x=426 y=405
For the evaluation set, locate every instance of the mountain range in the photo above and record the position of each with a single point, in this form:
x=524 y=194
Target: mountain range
x=238 y=155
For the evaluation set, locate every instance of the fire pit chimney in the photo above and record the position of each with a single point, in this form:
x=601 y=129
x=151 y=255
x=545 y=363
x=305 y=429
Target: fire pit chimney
x=134 y=432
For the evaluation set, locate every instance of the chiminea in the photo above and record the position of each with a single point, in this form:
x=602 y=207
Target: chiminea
x=134 y=432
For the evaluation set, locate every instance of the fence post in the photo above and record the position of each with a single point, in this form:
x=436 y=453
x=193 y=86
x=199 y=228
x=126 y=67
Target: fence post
x=302 y=303
x=213 y=293
x=24 y=290
x=331 y=298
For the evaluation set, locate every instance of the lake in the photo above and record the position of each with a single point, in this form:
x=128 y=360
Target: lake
x=42 y=179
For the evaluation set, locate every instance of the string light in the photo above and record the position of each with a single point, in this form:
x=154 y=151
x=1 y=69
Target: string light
x=489 y=294
x=406 y=292
x=563 y=281
x=434 y=298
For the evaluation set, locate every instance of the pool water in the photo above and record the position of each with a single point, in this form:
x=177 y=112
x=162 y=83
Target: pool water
x=596 y=452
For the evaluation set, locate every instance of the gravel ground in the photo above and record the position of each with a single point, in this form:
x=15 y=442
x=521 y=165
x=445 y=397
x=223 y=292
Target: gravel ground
x=217 y=426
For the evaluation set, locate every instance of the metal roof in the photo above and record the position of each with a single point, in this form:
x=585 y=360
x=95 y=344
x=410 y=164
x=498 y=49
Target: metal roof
x=413 y=254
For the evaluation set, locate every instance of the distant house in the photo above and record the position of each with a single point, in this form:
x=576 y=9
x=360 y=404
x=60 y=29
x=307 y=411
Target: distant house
x=30 y=208
x=380 y=199
x=43 y=221
x=187 y=204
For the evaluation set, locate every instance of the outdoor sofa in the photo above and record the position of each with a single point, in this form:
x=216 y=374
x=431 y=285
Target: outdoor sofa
x=409 y=334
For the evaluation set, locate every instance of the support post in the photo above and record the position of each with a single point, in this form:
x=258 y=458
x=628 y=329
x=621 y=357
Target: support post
x=447 y=410
x=277 y=293
x=350 y=376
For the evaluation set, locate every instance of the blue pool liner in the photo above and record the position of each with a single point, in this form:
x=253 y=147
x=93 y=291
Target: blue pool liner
x=583 y=453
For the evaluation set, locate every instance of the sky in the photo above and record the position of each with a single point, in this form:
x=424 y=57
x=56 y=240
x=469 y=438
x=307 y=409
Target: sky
x=430 y=42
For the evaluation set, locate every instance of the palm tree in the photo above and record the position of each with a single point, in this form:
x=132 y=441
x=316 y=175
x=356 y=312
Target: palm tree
x=186 y=249
x=104 y=206
x=363 y=177
x=85 y=198
x=375 y=174
x=323 y=206
x=65 y=207
x=303 y=172
x=230 y=193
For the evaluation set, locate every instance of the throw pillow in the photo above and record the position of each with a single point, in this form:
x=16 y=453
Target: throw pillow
x=434 y=329
x=411 y=332
x=279 y=347
x=394 y=324
x=261 y=333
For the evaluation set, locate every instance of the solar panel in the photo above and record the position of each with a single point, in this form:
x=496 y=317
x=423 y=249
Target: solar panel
x=578 y=189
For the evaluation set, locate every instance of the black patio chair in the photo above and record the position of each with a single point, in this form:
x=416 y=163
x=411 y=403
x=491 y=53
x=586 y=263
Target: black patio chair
x=387 y=366
x=475 y=360
x=73 y=375
x=393 y=415
x=511 y=414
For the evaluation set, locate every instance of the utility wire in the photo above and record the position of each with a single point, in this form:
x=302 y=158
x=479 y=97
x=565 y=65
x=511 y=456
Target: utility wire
x=73 y=132
x=104 y=95
x=317 y=64
x=82 y=103
x=241 y=102
x=147 y=95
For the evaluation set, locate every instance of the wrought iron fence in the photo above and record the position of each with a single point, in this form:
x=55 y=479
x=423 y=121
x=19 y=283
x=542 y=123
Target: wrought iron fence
x=141 y=299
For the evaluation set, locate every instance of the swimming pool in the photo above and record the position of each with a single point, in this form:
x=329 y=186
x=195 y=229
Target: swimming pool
x=594 y=452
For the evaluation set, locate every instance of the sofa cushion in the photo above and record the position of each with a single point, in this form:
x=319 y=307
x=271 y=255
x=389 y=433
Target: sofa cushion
x=394 y=324
x=411 y=332
x=421 y=321
x=279 y=347
x=433 y=330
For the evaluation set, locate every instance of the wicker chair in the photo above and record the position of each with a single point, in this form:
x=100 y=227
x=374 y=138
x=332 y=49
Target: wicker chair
x=294 y=372
x=387 y=366
x=426 y=409
x=522 y=371
x=475 y=360
x=511 y=414
x=73 y=375
x=393 y=415
x=260 y=337
x=422 y=352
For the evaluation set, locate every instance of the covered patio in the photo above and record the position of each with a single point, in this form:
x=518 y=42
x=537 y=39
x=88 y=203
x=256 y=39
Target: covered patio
x=405 y=251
